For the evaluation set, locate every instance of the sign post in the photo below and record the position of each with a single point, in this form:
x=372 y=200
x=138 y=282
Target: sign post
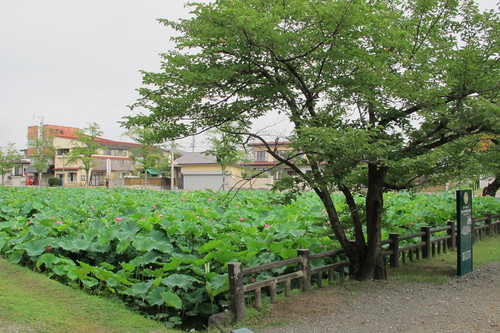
x=465 y=230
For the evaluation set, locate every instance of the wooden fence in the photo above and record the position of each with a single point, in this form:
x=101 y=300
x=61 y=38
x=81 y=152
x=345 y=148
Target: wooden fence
x=302 y=275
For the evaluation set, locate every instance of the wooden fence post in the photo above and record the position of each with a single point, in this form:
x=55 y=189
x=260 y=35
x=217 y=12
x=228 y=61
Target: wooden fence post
x=394 y=247
x=426 y=250
x=236 y=291
x=488 y=222
x=305 y=267
x=452 y=242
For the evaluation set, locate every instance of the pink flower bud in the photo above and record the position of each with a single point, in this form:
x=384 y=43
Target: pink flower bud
x=118 y=219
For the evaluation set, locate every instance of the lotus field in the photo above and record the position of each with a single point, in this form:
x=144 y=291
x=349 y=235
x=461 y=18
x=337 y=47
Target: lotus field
x=166 y=253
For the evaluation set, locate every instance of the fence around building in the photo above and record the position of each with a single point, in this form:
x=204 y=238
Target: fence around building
x=303 y=275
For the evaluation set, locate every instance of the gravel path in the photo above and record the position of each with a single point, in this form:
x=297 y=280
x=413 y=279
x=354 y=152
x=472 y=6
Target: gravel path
x=470 y=303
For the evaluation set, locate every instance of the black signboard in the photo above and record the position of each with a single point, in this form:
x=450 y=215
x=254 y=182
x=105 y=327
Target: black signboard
x=464 y=232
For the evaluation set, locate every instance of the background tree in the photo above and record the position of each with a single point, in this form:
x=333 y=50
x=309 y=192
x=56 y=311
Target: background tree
x=480 y=156
x=489 y=160
x=373 y=90
x=226 y=147
x=41 y=152
x=147 y=156
x=86 y=146
x=8 y=157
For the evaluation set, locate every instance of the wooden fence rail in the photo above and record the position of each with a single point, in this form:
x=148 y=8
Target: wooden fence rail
x=301 y=274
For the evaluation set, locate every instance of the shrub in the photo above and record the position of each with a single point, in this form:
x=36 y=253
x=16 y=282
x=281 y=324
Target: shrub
x=55 y=181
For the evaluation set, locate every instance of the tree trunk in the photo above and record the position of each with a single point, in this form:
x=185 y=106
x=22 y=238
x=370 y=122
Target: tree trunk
x=372 y=265
x=492 y=188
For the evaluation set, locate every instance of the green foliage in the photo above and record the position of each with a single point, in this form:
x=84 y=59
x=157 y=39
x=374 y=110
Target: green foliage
x=375 y=90
x=227 y=149
x=55 y=181
x=85 y=146
x=7 y=158
x=167 y=252
x=41 y=153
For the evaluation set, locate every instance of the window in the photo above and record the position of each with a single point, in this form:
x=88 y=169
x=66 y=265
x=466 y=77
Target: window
x=72 y=177
x=261 y=156
x=62 y=151
x=84 y=178
x=114 y=152
x=18 y=170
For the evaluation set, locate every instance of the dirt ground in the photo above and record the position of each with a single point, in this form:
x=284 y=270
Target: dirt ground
x=470 y=303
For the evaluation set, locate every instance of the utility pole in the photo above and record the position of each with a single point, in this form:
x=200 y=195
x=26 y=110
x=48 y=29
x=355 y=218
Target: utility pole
x=172 y=166
x=40 y=127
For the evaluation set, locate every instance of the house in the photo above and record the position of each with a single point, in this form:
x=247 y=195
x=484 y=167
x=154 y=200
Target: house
x=114 y=160
x=199 y=171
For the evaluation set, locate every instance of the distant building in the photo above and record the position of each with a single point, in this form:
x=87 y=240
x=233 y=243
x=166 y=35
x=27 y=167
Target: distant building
x=113 y=160
x=198 y=171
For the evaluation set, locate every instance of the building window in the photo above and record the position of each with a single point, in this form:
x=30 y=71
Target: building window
x=72 y=177
x=62 y=151
x=261 y=156
x=84 y=178
x=114 y=152
x=18 y=170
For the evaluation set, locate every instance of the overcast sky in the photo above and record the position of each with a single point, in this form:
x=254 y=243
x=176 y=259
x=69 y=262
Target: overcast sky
x=75 y=62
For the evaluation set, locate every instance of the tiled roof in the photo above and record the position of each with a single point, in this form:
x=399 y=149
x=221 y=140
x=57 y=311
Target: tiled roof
x=196 y=158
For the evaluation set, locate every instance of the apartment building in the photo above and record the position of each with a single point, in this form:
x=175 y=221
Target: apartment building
x=113 y=161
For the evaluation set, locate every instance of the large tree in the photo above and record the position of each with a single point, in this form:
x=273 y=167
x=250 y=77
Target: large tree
x=373 y=90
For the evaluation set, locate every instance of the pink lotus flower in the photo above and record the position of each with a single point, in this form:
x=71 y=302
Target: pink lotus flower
x=59 y=222
x=210 y=199
x=197 y=217
x=30 y=222
x=92 y=207
x=242 y=219
x=119 y=219
x=183 y=199
x=236 y=206
x=411 y=224
x=160 y=215
x=323 y=210
x=49 y=248
x=267 y=225
x=154 y=207
x=419 y=219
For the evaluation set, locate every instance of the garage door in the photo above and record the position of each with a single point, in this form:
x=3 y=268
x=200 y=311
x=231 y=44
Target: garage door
x=205 y=181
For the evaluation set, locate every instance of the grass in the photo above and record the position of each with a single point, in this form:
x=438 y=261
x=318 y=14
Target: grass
x=440 y=268
x=31 y=302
